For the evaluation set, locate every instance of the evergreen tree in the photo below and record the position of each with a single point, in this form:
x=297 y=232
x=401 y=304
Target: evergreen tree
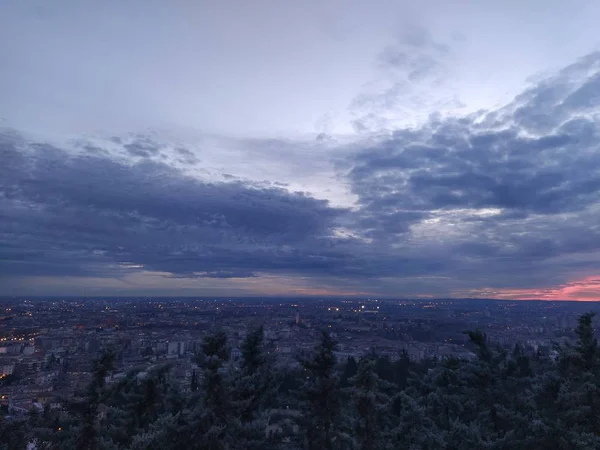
x=254 y=391
x=89 y=435
x=13 y=434
x=414 y=427
x=372 y=408
x=578 y=396
x=134 y=403
x=402 y=368
x=350 y=370
x=213 y=424
x=194 y=382
x=322 y=415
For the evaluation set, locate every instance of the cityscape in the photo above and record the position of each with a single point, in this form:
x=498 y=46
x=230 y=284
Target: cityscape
x=47 y=345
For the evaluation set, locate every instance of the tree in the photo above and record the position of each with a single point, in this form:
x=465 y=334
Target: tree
x=372 y=407
x=587 y=345
x=350 y=370
x=322 y=422
x=254 y=390
x=577 y=401
x=89 y=436
x=194 y=382
x=12 y=435
x=134 y=403
x=213 y=425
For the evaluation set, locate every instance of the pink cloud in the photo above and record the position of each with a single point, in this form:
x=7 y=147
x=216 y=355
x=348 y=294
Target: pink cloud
x=584 y=289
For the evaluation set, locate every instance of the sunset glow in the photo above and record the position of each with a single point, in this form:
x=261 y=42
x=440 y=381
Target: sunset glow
x=584 y=289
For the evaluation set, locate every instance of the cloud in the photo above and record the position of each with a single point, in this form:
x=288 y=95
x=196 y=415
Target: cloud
x=507 y=196
x=77 y=213
x=416 y=54
x=219 y=274
x=186 y=156
x=142 y=148
x=502 y=202
x=585 y=289
x=409 y=70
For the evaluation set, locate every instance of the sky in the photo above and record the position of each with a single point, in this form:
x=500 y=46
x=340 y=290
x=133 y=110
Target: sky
x=317 y=148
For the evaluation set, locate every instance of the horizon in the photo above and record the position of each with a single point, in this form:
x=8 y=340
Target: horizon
x=284 y=298
x=323 y=150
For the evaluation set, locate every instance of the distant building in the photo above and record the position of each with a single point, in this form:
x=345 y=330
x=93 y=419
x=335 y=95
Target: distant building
x=6 y=370
x=176 y=348
x=29 y=350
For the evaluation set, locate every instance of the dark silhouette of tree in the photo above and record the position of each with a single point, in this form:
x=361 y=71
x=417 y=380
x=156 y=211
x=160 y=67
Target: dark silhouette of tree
x=13 y=434
x=322 y=420
x=213 y=424
x=254 y=390
x=350 y=370
x=194 y=382
x=90 y=436
x=372 y=408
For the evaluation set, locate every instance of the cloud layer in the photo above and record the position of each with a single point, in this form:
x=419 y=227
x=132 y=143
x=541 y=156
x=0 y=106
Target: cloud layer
x=500 y=203
x=514 y=189
x=85 y=209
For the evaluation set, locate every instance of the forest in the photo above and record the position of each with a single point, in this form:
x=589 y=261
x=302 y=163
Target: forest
x=502 y=399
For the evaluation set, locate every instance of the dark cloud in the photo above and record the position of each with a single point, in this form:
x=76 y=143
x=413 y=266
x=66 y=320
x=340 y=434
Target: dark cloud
x=459 y=163
x=500 y=199
x=142 y=147
x=186 y=156
x=89 y=212
x=515 y=192
x=220 y=274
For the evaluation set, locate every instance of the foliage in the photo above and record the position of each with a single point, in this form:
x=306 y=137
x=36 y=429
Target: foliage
x=500 y=399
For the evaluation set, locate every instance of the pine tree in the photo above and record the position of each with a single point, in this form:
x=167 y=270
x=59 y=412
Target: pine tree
x=372 y=408
x=134 y=403
x=212 y=423
x=163 y=434
x=402 y=369
x=578 y=398
x=350 y=370
x=13 y=435
x=89 y=435
x=194 y=382
x=254 y=390
x=322 y=422
x=415 y=428
x=587 y=345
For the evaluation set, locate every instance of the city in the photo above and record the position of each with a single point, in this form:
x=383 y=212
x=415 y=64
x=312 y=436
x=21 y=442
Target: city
x=47 y=345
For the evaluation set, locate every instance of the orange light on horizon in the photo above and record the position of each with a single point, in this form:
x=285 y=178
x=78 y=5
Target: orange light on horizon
x=584 y=289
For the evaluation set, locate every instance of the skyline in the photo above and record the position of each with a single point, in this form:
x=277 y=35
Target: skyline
x=396 y=151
